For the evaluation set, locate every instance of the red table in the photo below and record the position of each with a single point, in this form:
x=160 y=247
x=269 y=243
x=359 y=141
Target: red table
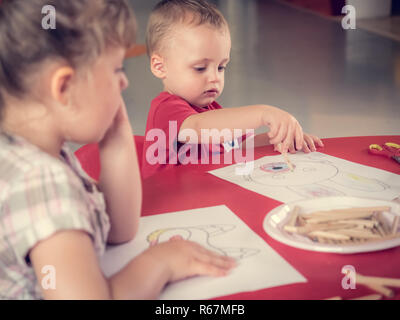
x=189 y=187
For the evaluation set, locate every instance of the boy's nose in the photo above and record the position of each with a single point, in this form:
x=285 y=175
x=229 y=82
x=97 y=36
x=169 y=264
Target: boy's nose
x=214 y=76
x=124 y=83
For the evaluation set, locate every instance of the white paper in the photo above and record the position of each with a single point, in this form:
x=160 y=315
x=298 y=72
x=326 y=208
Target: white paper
x=218 y=229
x=315 y=175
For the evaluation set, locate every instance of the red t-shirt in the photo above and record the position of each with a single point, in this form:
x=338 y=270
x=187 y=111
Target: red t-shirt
x=161 y=150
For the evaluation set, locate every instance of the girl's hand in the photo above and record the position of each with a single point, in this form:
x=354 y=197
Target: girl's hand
x=120 y=127
x=284 y=128
x=183 y=259
x=120 y=179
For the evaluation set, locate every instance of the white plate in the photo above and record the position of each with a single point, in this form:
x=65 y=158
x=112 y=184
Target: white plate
x=278 y=217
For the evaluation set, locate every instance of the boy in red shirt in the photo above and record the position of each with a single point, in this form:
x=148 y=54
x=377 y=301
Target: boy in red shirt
x=189 y=45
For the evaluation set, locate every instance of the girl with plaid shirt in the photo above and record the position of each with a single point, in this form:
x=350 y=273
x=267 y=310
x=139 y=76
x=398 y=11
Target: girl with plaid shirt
x=64 y=84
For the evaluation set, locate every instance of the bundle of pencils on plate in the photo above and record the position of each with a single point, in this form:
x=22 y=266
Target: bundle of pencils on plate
x=345 y=226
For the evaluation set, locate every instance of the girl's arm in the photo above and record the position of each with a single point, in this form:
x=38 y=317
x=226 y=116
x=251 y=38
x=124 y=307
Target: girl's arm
x=76 y=273
x=283 y=126
x=120 y=179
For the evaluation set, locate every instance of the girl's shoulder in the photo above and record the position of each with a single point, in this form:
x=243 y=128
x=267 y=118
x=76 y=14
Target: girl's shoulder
x=20 y=160
x=18 y=156
x=49 y=190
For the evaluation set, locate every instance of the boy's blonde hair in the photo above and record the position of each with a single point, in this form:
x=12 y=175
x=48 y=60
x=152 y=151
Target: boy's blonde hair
x=168 y=13
x=83 y=30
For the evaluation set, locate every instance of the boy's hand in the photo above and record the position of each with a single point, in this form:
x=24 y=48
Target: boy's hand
x=184 y=259
x=284 y=129
x=310 y=144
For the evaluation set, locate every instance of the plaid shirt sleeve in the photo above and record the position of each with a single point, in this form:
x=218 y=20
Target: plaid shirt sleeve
x=43 y=201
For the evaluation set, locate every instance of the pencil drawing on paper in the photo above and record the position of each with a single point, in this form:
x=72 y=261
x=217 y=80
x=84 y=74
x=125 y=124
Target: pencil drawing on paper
x=314 y=175
x=308 y=175
x=203 y=235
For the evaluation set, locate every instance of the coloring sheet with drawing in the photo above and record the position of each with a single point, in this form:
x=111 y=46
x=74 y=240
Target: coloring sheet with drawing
x=216 y=228
x=314 y=175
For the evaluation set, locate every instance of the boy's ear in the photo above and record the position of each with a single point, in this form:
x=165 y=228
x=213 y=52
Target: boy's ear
x=157 y=66
x=60 y=84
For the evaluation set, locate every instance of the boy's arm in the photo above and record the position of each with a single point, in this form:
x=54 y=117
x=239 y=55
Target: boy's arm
x=283 y=126
x=260 y=140
x=120 y=179
x=310 y=144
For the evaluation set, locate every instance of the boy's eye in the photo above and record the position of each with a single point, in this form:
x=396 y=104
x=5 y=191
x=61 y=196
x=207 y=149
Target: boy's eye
x=200 y=69
x=221 y=68
x=122 y=69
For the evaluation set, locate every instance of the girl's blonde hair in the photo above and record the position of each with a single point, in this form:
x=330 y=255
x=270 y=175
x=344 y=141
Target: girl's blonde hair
x=168 y=13
x=83 y=30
